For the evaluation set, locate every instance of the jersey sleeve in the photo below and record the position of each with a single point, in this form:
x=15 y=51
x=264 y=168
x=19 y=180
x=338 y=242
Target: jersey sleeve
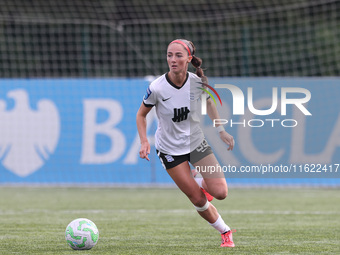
x=150 y=98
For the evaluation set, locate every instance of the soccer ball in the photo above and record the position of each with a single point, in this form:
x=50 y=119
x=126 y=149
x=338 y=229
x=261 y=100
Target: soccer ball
x=81 y=234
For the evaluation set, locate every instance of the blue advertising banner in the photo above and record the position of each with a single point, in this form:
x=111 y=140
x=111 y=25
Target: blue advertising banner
x=283 y=128
x=72 y=131
x=83 y=131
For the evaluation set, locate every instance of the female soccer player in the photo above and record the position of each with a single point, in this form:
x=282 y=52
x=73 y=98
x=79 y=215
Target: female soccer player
x=179 y=138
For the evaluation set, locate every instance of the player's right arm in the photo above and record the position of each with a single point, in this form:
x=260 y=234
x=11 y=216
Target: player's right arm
x=141 y=126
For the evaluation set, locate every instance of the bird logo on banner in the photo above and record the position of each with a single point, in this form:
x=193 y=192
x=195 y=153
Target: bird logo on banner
x=27 y=137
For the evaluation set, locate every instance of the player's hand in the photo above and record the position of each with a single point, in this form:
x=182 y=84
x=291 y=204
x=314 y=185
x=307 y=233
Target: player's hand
x=145 y=150
x=228 y=139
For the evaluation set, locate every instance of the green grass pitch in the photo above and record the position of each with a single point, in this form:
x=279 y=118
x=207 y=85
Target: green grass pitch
x=162 y=221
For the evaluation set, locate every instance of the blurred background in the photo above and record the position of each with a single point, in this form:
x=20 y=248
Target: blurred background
x=80 y=38
x=84 y=66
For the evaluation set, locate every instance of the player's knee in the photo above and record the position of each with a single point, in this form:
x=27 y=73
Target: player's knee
x=221 y=194
x=198 y=201
x=204 y=207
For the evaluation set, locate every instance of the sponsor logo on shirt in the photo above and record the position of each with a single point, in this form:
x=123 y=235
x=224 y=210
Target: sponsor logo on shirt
x=180 y=114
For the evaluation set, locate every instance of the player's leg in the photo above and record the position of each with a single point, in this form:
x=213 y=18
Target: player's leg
x=181 y=174
x=199 y=180
x=213 y=178
x=213 y=181
x=203 y=159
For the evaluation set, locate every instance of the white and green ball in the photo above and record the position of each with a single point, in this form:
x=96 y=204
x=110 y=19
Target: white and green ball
x=81 y=234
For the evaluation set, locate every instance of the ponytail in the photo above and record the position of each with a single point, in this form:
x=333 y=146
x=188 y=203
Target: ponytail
x=197 y=63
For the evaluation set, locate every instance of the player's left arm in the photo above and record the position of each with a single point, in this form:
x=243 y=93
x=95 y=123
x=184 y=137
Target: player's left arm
x=213 y=114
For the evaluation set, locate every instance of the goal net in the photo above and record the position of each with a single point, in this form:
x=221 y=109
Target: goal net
x=83 y=38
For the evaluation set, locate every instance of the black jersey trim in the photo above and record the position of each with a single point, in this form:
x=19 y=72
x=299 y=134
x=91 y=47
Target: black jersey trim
x=174 y=85
x=148 y=105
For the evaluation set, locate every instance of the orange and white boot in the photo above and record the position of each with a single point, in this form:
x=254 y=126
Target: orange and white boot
x=227 y=239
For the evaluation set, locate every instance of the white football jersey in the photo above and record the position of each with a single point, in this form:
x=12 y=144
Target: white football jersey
x=178 y=130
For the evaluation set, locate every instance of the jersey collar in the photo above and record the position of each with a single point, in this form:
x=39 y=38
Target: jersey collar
x=174 y=85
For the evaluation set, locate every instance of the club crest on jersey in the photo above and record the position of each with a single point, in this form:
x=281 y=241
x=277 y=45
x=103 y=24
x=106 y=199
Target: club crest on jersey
x=148 y=93
x=169 y=158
